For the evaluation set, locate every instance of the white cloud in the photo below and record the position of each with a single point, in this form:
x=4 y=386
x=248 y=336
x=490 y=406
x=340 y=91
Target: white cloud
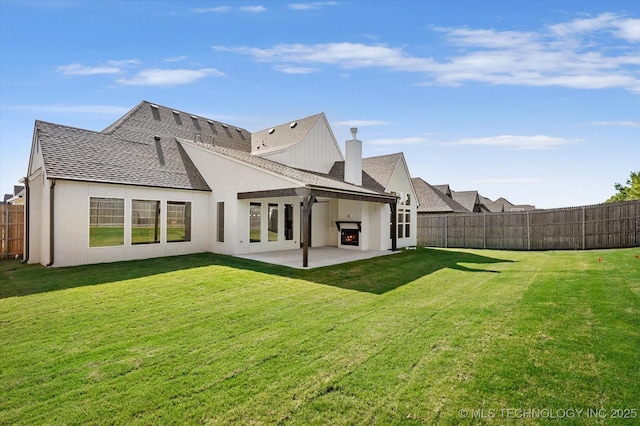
x=253 y=9
x=176 y=59
x=77 y=69
x=168 y=77
x=346 y=55
x=216 y=9
x=398 y=141
x=517 y=142
x=288 y=69
x=312 y=5
x=616 y=123
x=564 y=55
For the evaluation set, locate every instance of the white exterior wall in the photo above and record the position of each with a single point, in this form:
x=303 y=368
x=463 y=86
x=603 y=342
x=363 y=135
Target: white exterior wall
x=400 y=183
x=227 y=178
x=71 y=221
x=317 y=152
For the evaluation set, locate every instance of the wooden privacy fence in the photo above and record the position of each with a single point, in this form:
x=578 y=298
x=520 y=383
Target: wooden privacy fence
x=11 y=230
x=614 y=225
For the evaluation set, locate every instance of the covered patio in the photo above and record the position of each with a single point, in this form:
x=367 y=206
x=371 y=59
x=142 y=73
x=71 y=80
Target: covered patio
x=320 y=256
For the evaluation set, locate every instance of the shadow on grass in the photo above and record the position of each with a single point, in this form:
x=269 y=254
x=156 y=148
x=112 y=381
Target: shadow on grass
x=378 y=275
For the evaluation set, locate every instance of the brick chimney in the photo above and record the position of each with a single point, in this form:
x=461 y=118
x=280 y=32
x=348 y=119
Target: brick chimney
x=353 y=159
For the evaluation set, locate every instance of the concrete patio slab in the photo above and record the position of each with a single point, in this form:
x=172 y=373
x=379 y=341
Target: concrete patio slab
x=318 y=256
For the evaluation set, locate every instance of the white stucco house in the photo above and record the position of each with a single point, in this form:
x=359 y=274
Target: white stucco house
x=161 y=182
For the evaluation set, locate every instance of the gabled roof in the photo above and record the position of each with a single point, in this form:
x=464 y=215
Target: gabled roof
x=78 y=154
x=303 y=177
x=376 y=171
x=444 y=189
x=283 y=136
x=432 y=200
x=469 y=199
x=489 y=206
x=147 y=119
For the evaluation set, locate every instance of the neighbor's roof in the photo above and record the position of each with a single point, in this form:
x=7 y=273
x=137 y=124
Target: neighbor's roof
x=303 y=176
x=281 y=137
x=489 y=205
x=444 y=189
x=432 y=200
x=147 y=119
x=78 y=154
x=468 y=199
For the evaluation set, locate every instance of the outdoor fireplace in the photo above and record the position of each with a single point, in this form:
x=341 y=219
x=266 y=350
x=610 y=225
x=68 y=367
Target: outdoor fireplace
x=349 y=237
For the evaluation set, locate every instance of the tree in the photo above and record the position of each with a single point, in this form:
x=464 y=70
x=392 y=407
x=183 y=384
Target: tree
x=629 y=192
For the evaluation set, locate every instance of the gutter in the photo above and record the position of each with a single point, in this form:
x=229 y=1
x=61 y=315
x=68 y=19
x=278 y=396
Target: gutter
x=25 y=255
x=51 y=217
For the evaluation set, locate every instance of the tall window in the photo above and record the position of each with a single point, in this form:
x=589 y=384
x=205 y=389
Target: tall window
x=288 y=222
x=220 y=235
x=178 y=221
x=255 y=222
x=145 y=221
x=400 y=223
x=273 y=222
x=106 y=222
x=407 y=223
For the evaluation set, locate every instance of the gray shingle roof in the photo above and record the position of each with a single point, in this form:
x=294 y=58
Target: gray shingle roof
x=469 y=199
x=147 y=119
x=78 y=154
x=445 y=189
x=304 y=177
x=489 y=206
x=282 y=136
x=432 y=200
x=376 y=171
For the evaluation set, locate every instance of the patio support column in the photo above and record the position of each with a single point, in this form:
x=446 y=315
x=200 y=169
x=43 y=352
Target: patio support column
x=307 y=205
x=394 y=225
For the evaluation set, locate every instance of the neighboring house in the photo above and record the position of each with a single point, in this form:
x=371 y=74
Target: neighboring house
x=488 y=206
x=507 y=206
x=17 y=198
x=468 y=199
x=161 y=182
x=435 y=201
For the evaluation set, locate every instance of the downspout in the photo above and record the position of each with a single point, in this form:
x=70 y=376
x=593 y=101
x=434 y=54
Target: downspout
x=51 y=228
x=25 y=256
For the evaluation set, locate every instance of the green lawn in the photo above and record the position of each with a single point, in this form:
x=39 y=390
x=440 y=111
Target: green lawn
x=421 y=337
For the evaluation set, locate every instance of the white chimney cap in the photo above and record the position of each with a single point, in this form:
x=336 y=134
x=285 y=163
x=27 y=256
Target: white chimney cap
x=354 y=132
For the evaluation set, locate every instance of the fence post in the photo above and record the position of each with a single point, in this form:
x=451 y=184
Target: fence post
x=528 y=231
x=6 y=231
x=484 y=231
x=446 y=231
x=584 y=228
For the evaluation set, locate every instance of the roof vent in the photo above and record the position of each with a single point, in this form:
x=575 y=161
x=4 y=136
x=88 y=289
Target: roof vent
x=238 y=130
x=272 y=131
x=156 y=137
x=225 y=126
x=293 y=125
x=154 y=106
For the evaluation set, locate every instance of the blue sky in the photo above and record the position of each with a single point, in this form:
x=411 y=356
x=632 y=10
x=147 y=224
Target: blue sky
x=534 y=101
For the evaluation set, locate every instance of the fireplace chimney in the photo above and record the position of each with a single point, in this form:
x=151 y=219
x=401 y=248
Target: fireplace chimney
x=353 y=159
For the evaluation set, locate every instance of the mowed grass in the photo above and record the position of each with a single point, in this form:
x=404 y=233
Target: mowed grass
x=421 y=337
